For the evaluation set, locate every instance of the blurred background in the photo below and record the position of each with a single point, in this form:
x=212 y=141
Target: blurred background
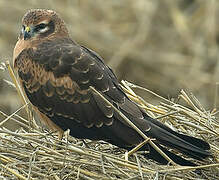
x=164 y=46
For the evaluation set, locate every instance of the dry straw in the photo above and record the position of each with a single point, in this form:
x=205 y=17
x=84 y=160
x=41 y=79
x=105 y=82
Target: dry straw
x=36 y=153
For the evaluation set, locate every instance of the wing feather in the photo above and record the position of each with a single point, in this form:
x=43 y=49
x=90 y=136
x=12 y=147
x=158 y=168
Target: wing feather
x=57 y=77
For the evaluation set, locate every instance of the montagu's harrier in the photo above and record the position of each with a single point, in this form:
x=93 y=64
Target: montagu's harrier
x=55 y=73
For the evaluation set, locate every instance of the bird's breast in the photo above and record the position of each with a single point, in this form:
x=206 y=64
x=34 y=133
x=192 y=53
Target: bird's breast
x=20 y=46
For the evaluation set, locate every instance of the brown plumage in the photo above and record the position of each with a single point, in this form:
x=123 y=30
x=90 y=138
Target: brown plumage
x=56 y=73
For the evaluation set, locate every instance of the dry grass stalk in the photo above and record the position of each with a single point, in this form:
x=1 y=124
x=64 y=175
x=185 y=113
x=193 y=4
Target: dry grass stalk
x=33 y=153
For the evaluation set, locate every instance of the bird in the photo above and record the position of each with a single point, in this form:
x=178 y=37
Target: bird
x=56 y=73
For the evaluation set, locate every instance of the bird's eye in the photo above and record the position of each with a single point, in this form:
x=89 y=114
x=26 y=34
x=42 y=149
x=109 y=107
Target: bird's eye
x=41 y=28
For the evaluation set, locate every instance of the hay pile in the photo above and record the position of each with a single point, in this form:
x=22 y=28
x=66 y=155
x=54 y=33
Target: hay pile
x=35 y=153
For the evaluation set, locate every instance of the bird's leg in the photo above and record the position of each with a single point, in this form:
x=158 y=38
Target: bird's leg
x=60 y=135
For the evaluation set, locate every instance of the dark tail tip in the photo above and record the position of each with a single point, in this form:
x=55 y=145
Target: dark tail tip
x=195 y=141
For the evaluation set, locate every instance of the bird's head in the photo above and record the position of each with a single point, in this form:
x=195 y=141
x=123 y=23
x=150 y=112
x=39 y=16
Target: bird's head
x=41 y=24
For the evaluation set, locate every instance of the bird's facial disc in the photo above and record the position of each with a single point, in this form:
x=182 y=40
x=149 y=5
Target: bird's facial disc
x=42 y=29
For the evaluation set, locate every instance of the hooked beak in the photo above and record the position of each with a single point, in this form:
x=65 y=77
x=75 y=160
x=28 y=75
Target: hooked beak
x=27 y=33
